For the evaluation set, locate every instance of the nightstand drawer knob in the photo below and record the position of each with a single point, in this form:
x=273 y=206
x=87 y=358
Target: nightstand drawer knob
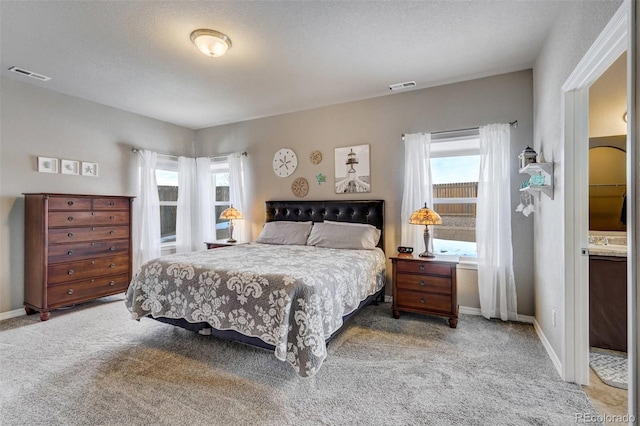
x=70 y=203
x=112 y=283
x=112 y=232
x=422 y=283
x=71 y=252
x=113 y=265
x=422 y=300
x=112 y=204
x=112 y=248
x=422 y=267
x=70 y=272
x=70 y=218
x=112 y=217
x=70 y=235
x=70 y=291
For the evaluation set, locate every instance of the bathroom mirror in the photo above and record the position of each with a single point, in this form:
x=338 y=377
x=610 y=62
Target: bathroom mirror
x=607 y=187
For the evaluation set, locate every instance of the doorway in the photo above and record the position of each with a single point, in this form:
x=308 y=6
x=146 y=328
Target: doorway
x=610 y=45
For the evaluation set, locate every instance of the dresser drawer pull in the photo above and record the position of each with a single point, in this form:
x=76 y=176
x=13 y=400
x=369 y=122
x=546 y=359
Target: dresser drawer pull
x=70 y=235
x=71 y=252
x=93 y=244
x=422 y=283
x=70 y=203
x=113 y=265
x=70 y=291
x=112 y=283
x=112 y=204
x=70 y=272
x=422 y=267
x=112 y=217
x=112 y=248
x=70 y=218
x=112 y=232
x=422 y=300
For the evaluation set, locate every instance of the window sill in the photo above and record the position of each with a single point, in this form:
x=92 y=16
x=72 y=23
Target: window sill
x=468 y=263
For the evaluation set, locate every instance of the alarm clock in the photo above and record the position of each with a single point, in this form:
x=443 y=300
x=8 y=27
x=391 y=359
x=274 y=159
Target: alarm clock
x=403 y=249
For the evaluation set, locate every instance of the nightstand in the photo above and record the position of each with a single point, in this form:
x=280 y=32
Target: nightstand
x=425 y=286
x=223 y=243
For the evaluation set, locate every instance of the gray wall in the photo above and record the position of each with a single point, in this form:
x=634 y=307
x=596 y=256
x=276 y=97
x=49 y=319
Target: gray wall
x=380 y=123
x=572 y=35
x=38 y=122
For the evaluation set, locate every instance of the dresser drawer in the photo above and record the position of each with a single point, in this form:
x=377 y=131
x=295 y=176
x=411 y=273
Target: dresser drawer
x=64 y=219
x=424 y=283
x=426 y=301
x=69 y=203
x=69 y=235
x=418 y=267
x=111 y=204
x=70 y=252
x=72 y=271
x=78 y=291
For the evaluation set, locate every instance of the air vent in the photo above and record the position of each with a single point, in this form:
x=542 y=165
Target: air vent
x=30 y=74
x=400 y=86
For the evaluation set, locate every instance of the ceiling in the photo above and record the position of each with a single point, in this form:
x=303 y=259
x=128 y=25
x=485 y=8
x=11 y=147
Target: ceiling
x=286 y=55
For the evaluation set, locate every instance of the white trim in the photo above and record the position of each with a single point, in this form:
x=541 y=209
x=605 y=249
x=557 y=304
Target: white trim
x=468 y=310
x=609 y=45
x=545 y=342
x=12 y=314
x=388 y=298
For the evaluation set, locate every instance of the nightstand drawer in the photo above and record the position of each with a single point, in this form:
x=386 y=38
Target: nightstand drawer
x=424 y=283
x=415 y=267
x=426 y=301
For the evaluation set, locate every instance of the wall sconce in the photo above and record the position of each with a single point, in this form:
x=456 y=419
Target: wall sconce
x=210 y=42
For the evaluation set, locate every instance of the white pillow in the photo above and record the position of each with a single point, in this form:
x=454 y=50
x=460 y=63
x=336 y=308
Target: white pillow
x=285 y=232
x=359 y=236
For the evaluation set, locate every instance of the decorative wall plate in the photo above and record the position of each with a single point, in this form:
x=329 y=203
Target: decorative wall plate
x=285 y=162
x=316 y=157
x=300 y=187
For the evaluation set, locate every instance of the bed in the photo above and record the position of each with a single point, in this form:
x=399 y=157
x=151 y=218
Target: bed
x=290 y=299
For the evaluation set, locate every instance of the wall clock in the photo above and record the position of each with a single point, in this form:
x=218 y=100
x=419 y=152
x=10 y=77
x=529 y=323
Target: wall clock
x=315 y=157
x=285 y=162
x=300 y=187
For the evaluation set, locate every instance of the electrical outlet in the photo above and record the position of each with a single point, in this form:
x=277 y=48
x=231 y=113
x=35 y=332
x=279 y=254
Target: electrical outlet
x=554 y=318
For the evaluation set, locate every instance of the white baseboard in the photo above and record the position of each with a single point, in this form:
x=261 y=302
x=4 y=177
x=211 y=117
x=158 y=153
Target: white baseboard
x=388 y=298
x=12 y=314
x=468 y=310
x=545 y=342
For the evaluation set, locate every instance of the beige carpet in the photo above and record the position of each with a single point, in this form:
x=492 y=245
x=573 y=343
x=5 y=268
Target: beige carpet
x=92 y=365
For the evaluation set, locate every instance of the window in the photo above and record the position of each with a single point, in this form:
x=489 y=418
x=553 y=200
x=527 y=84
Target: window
x=167 y=179
x=455 y=168
x=221 y=200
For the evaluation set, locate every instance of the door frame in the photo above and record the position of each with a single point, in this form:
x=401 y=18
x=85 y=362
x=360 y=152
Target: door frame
x=616 y=38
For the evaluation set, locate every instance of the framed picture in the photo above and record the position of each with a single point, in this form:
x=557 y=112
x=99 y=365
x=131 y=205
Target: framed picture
x=69 y=167
x=352 y=169
x=47 y=165
x=89 y=169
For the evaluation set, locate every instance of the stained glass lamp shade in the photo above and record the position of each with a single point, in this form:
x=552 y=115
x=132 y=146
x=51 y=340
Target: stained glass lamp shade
x=425 y=216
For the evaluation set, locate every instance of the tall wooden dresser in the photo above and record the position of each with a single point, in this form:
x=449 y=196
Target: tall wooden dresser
x=77 y=248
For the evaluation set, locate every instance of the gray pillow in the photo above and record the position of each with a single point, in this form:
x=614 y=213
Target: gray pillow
x=285 y=233
x=344 y=235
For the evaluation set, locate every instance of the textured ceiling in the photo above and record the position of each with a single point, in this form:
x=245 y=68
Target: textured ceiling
x=286 y=55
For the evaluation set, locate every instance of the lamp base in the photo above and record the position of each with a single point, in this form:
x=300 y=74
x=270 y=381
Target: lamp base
x=426 y=254
x=231 y=240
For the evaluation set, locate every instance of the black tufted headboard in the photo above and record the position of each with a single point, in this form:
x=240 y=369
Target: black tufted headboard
x=353 y=211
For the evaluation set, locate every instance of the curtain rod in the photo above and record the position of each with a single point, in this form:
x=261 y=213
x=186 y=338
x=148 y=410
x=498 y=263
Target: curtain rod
x=512 y=123
x=137 y=150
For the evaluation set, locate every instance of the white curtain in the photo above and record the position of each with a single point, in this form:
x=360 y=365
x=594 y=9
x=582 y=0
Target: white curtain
x=417 y=187
x=496 y=283
x=146 y=212
x=237 y=197
x=187 y=194
x=203 y=208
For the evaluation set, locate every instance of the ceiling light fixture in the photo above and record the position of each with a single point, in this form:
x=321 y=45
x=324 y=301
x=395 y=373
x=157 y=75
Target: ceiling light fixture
x=211 y=42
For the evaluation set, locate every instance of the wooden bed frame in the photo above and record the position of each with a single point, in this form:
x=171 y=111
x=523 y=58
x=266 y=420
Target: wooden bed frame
x=352 y=211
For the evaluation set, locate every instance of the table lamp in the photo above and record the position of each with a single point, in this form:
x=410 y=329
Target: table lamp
x=425 y=216
x=230 y=214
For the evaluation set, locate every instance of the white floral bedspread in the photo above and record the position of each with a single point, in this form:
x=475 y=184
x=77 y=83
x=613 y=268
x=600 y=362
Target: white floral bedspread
x=291 y=297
